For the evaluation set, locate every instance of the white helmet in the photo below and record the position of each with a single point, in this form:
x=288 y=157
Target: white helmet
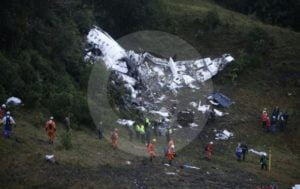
x=8 y=113
x=51 y=117
x=211 y=142
x=3 y=106
x=173 y=146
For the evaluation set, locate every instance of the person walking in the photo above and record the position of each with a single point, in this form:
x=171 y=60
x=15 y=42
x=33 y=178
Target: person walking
x=238 y=152
x=50 y=127
x=114 y=138
x=263 y=162
x=8 y=122
x=171 y=154
x=209 y=150
x=151 y=149
x=244 y=151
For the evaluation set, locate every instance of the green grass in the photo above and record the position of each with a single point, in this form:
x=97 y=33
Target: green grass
x=91 y=163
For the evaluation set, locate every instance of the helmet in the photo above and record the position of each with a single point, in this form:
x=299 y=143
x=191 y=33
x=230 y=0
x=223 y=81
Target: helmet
x=211 y=142
x=3 y=106
x=51 y=117
x=8 y=113
x=173 y=146
x=154 y=140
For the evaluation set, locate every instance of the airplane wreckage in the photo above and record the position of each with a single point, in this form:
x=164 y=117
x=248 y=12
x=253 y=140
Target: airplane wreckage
x=154 y=84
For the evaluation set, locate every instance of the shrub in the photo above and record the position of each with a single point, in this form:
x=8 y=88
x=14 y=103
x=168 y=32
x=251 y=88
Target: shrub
x=66 y=139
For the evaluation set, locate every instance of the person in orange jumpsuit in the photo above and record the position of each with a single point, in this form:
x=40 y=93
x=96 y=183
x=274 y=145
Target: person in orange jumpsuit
x=208 y=150
x=51 y=129
x=151 y=149
x=114 y=138
x=171 y=154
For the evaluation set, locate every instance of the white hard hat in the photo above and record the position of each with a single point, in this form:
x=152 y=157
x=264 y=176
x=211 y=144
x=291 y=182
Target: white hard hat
x=172 y=146
x=154 y=140
x=51 y=117
x=8 y=113
x=211 y=142
x=3 y=106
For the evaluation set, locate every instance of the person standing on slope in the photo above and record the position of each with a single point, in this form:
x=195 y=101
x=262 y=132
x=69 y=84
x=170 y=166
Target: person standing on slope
x=151 y=149
x=50 y=127
x=209 y=150
x=114 y=138
x=171 y=154
x=8 y=122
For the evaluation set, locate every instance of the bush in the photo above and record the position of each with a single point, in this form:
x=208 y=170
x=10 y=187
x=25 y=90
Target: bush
x=66 y=139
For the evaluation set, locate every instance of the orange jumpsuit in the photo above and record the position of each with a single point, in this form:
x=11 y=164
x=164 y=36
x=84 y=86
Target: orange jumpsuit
x=51 y=130
x=151 y=151
x=209 y=150
x=170 y=155
x=114 y=139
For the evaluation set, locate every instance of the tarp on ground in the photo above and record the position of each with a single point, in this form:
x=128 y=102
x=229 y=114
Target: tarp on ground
x=221 y=99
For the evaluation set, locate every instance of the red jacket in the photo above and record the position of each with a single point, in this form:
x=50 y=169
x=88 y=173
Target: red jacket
x=264 y=116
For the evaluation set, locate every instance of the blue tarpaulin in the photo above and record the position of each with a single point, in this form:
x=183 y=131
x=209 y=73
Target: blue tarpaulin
x=221 y=99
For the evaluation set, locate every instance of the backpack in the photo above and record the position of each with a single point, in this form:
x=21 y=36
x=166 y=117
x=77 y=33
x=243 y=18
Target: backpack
x=8 y=121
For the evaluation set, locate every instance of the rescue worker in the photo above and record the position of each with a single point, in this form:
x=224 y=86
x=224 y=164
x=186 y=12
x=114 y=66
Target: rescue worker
x=286 y=117
x=238 y=152
x=209 y=150
x=137 y=131
x=114 y=138
x=171 y=154
x=50 y=127
x=67 y=123
x=151 y=149
x=8 y=122
x=281 y=122
x=147 y=130
x=244 y=151
x=142 y=133
x=100 y=130
x=264 y=118
x=273 y=124
x=2 y=111
x=263 y=162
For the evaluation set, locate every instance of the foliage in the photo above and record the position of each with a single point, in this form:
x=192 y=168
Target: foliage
x=278 y=12
x=66 y=139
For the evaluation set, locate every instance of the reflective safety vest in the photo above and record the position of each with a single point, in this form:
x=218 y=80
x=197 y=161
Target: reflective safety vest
x=147 y=121
x=137 y=128
x=142 y=129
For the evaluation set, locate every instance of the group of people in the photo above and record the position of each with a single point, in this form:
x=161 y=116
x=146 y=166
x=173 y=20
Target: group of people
x=8 y=122
x=277 y=119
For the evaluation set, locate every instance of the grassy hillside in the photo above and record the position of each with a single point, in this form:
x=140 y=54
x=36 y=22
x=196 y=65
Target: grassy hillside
x=266 y=70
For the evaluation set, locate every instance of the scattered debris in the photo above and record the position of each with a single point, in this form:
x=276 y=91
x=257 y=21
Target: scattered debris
x=50 y=158
x=128 y=162
x=149 y=79
x=190 y=167
x=258 y=153
x=224 y=135
x=221 y=99
x=13 y=101
x=171 y=173
x=219 y=113
x=125 y=122
x=203 y=108
x=193 y=125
